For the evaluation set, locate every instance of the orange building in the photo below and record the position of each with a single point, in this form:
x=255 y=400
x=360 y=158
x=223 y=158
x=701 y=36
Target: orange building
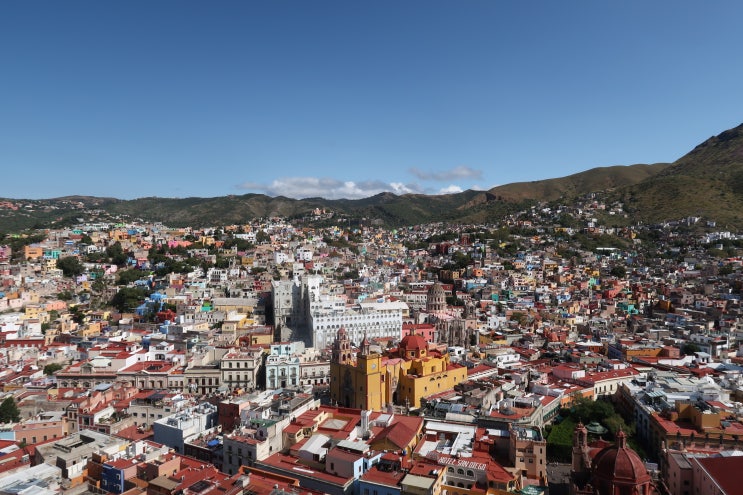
x=33 y=252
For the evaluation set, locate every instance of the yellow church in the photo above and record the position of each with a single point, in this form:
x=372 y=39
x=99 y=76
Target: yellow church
x=369 y=380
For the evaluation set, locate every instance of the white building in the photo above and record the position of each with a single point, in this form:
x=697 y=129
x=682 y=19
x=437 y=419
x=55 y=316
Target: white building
x=280 y=257
x=304 y=254
x=373 y=320
x=313 y=369
x=177 y=429
x=282 y=365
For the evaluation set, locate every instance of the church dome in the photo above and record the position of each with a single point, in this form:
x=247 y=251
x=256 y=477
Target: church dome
x=413 y=346
x=619 y=465
x=436 y=291
x=436 y=298
x=413 y=342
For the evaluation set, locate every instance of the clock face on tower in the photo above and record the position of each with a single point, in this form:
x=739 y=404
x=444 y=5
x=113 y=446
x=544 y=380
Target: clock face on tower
x=374 y=366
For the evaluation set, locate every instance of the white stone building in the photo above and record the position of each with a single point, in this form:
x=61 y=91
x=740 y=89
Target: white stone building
x=282 y=365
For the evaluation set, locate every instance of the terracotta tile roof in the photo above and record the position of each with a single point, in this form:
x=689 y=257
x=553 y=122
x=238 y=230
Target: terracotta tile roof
x=398 y=434
x=725 y=471
x=388 y=478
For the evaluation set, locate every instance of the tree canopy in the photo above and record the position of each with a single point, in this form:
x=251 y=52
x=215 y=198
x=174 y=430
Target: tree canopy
x=128 y=298
x=49 y=369
x=9 y=412
x=70 y=266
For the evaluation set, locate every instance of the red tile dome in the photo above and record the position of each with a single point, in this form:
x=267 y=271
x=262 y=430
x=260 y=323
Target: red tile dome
x=619 y=465
x=413 y=342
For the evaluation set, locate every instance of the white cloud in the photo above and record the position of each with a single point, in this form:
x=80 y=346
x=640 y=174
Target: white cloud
x=451 y=189
x=400 y=188
x=460 y=172
x=308 y=187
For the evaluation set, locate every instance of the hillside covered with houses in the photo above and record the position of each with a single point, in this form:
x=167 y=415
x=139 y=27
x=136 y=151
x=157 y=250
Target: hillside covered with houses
x=283 y=356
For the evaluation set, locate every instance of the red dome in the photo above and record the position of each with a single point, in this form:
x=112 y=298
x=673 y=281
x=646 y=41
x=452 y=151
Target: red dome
x=619 y=465
x=413 y=342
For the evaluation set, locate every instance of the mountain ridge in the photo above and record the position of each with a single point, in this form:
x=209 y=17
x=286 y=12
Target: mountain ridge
x=705 y=182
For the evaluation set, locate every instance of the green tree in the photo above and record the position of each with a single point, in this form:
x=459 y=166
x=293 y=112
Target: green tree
x=618 y=271
x=116 y=254
x=9 y=412
x=690 y=348
x=49 y=369
x=519 y=317
x=726 y=269
x=222 y=262
x=588 y=410
x=70 y=266
x=454 y=301
x=66 y=295
x=125 y=277
x=78 y=315
x=128 y=298
x=615 y=423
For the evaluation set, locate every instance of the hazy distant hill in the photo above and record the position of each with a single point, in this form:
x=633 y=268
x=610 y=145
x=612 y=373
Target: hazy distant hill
x=706 y=182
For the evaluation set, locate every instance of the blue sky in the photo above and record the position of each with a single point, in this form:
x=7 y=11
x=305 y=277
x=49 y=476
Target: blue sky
x=348 y=99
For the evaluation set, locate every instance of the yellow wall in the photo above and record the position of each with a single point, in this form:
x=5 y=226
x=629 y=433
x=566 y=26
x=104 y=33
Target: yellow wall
x=426 y=377
x=366 y=384
x=91 y=329
x=360 y=385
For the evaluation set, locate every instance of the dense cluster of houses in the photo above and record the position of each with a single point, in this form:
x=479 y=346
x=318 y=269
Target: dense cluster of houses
x=271 y=357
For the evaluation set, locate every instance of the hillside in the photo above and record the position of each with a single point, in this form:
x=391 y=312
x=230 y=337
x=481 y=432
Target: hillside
x=596 y=179
x=707 y=182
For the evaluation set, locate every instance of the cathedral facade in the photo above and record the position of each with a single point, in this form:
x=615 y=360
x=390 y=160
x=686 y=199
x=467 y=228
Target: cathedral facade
x=453 y=328
x=369 y=380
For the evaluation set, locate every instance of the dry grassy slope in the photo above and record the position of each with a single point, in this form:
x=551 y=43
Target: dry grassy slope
x=596 y=179
x=707 y=182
